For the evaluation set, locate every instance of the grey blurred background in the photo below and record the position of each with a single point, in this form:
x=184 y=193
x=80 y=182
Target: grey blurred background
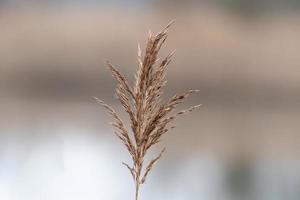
x=243 y=144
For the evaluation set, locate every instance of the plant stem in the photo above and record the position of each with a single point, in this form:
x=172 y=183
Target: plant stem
x=137 y=180
x=137 y=186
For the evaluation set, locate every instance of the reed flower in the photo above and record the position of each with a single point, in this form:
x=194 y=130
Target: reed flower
x=149 y=115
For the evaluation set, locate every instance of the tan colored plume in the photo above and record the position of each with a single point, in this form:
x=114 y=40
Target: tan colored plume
x=149 y=117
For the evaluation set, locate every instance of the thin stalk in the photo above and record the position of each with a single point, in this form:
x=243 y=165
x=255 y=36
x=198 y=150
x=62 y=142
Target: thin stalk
x=137 y=178
x=137 y=187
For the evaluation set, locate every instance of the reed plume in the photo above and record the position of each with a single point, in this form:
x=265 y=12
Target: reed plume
x=149 y=116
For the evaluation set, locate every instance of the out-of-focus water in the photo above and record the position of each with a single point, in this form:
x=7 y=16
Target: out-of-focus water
x=69 y=152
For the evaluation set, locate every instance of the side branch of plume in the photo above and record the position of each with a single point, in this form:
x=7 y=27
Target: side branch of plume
x=151 y=164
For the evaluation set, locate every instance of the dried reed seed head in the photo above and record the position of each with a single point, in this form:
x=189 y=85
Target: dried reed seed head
x=149 y=118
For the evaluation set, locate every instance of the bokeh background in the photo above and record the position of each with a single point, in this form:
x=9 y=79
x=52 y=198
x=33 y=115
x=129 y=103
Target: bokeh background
x=243 y=144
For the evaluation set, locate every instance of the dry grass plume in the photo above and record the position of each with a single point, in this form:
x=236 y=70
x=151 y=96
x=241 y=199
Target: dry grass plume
x=149 y=116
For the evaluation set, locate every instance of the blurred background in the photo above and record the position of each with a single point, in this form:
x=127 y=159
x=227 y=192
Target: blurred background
x=243 y=144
